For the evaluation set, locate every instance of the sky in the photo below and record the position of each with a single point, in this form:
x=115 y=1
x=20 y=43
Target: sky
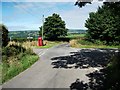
x=28 y=15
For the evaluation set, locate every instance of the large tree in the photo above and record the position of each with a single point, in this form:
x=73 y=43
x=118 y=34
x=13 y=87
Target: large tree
x=54 y=27
x=4 y=32
x=104 y=24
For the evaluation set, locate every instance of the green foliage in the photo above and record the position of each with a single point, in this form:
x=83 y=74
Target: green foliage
x=4 y=31
x=17 y=67
x=113 y=73
x=75 y=36
x=83 y=43
x=54 y=27
x=12 y=50
x=15 y=59
x=104 y=24
x=82 y=3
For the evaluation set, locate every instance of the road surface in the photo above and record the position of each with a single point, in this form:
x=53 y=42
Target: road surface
x=50 y=72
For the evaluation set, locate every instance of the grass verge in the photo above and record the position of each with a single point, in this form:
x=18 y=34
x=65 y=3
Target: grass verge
x=49 y=44
x=16 y=59
x=16 y=67
x=79 y=43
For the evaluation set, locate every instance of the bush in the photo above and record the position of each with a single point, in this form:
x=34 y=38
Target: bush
x=85 y=42
x=12 y=50
x=5 y=32
x=15 y=60
x=29 y=52
x=113 y=73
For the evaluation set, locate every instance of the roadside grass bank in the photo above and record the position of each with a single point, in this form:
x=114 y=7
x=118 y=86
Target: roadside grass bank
x=82 y=43
x=34 y=44
x=15 y=59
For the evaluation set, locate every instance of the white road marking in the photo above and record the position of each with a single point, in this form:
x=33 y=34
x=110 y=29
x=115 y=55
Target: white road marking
x=43 y=52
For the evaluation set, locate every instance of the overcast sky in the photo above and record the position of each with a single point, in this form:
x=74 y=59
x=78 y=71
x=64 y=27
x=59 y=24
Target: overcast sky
x=28 y=15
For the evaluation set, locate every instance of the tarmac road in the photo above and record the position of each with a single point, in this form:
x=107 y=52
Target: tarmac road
x=43 y=75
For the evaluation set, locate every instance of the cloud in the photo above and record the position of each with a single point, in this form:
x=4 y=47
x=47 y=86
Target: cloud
x=34 y=7
x=23 y=5
x=73 y=16
x=76 y=17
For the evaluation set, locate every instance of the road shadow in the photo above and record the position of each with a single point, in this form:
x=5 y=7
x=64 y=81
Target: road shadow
x=96 y=82
x=84 y=58
x=78 y=85
x=104 y=79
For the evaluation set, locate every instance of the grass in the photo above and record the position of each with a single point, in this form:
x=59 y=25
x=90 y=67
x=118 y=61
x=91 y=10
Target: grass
x=49 y=44
x=13 y=69
x=80 y=43
x=74 y=36
x=27 y=44
x=16 y=59
x=34 y=44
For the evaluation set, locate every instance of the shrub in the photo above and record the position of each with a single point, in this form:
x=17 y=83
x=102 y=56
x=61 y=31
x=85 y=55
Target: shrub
x=113 y=73
x=16 y=59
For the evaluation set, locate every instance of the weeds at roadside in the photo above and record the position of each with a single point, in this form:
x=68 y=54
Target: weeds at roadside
x=82 y=43
x=16 y=59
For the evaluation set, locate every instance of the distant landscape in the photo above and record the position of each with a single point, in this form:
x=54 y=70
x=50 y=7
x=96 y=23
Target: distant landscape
x=35 y=33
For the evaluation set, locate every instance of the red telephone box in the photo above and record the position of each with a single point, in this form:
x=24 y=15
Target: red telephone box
x=40 y=43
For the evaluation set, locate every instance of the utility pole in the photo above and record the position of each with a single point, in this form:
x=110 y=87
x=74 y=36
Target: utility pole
x=42 y=27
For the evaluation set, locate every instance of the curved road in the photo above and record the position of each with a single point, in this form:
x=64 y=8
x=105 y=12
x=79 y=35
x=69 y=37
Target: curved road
x=43 y=75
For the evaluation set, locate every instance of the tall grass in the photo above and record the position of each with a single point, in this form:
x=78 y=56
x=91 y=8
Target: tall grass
x=13 y=69
x=82 y=43
x=27 y=44
x=16 y=59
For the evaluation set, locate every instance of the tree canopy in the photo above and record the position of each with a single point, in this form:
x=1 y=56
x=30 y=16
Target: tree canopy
x=82 y=3
x=54 y=27
x=104 y=24
x=4 y=32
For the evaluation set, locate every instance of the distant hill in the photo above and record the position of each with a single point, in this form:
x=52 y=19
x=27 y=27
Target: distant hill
x=80 y=31
x=35 y=33
x=23 y=34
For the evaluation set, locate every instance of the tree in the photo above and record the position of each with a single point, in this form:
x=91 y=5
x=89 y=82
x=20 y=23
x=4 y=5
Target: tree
x=54 y=27
x=82 y=3
x=4 y=32
x=104 y=24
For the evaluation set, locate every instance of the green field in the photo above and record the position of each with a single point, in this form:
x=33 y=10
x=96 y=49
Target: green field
x=74 y=36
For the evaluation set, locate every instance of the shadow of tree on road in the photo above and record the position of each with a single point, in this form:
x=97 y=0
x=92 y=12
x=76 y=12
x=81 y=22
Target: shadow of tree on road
x=96 y=82
x=78 y=85
x=84 y=58
x=104 y=79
